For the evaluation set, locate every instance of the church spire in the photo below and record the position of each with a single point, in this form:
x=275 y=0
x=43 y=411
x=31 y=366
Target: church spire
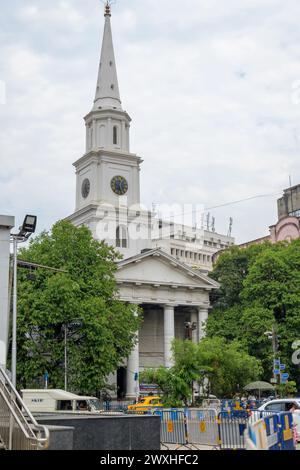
x=107 y=92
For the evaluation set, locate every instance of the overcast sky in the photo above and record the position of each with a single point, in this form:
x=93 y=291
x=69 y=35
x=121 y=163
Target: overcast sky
x=212 y=86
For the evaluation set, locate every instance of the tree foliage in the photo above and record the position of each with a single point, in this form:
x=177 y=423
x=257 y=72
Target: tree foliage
x=81 y=301
x=260 y=289
x=225 y=366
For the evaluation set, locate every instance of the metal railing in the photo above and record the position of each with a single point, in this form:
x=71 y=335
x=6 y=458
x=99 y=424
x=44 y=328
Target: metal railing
x=18 y=428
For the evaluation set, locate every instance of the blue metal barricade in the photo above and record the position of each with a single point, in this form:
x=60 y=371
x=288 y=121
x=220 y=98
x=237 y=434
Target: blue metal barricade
x=202 y=426
x=231 y=430
x=173 y=429
x=273 y=432
x=277 y=431
x=286 y=431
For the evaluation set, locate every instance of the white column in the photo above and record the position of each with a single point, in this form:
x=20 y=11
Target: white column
x=6 y=224
x=113 y=381
x=128 y=138
x=133 y=368
x=109 y=134
x=202 y=319
x=194 y=319
x=123 y=136
x=169 y=334
x=95 y=136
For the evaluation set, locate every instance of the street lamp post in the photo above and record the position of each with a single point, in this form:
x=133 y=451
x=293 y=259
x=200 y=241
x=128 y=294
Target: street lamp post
x=74 y=323
x=27 y=229
x=66 y=360
x=274 y=337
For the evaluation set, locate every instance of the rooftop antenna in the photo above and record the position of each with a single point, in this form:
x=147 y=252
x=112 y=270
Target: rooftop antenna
x=202 y=220
x=230 y=227
x=291 y=190
x=213 y=224
x=194 y=220
x=208 y=221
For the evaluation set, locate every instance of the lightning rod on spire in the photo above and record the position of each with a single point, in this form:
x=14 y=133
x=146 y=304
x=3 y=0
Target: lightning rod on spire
x=107 y=6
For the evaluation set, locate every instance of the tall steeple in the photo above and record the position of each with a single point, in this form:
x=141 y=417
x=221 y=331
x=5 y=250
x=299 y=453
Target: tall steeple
x=107 y=91
x=108 y=173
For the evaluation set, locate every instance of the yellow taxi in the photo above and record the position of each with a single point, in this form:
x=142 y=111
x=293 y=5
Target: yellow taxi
x=146 y=403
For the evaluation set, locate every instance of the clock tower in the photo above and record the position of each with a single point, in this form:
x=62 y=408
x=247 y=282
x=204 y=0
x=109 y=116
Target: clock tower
x=108 y=170
x=108 y=174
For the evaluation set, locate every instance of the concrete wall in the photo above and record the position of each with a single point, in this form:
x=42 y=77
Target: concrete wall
x=110 y=433
x=61 y=438
x=6 y=223
x=290 y=202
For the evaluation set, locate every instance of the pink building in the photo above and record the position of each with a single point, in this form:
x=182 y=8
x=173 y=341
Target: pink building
x=288 y=225
x=287 y=228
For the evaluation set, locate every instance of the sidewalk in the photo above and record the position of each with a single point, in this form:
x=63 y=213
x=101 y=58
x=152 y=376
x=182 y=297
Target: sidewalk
x=186 y=448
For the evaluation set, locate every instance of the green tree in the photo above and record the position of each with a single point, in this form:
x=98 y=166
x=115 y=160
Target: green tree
x=82 y=301
x=226 y=366
x=230 y=271
x=176 y=383
x=288 y=389
x=260 y=289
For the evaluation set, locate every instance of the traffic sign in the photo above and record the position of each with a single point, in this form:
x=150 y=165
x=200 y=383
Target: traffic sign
x=282 y=366
x=284 y=376
x=276 y=362
x=46 y=379
x=276 y=371
x=273 y=381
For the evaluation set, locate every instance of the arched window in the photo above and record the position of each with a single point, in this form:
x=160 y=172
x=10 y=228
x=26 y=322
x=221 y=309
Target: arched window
x=115 y=135
x=121 y=237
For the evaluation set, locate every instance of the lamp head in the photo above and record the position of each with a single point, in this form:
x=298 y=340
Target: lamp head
x=29 y=225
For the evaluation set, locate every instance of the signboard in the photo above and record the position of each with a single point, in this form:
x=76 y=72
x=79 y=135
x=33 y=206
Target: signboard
x=152 y=389
x=285 y=376
x=273 y=381
x=282 y=366
x=276 y=371
x=276 y=362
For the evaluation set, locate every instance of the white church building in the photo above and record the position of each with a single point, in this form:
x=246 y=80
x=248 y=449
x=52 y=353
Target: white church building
x=165 y=265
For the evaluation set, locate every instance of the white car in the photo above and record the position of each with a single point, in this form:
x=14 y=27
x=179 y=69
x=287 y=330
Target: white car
x=284 y=404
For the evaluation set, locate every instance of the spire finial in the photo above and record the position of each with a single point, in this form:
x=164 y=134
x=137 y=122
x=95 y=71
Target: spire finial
x=107 y=11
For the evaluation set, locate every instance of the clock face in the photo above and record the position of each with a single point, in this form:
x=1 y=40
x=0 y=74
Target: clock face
x=119 y=185
x=85 y=188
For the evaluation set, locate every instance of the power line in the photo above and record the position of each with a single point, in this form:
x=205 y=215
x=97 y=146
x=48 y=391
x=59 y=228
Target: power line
x=227 y=204
x=244 y=200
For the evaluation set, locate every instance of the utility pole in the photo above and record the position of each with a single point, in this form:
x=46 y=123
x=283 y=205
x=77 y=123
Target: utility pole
x=274 y=337
x=25 y=231
x=66 y=359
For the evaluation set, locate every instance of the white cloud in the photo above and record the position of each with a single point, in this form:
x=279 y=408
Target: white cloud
x=209 y=86
x=57 y=13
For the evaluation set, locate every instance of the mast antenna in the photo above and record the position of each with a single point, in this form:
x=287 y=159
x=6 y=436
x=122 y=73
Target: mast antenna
x=107 y=4
x=230 y=227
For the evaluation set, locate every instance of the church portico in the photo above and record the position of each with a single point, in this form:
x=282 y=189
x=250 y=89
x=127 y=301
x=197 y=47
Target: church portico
x=175 y=304
x=160 y=326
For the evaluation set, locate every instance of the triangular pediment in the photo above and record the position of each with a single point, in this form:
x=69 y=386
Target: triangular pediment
x=157 y=267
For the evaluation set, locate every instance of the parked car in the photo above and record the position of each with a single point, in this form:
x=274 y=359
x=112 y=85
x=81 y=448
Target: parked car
x=284 y=404
x=59 y=401
x=145 y=404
